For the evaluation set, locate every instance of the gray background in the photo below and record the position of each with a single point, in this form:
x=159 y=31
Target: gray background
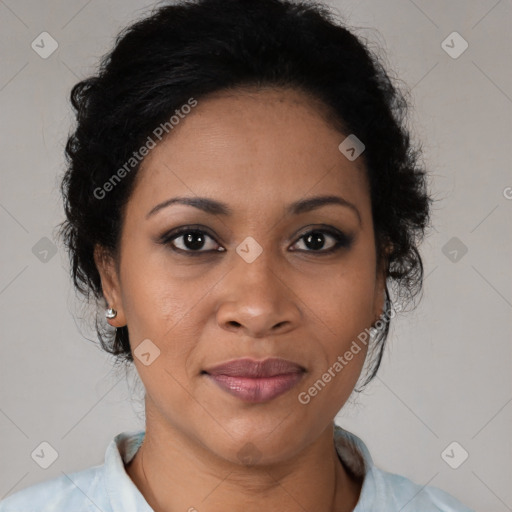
x=446 y=375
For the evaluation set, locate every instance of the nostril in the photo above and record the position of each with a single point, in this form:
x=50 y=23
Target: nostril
x=234 y=324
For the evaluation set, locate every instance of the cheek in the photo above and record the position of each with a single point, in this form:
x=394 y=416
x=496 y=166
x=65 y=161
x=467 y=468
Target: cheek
x=344 y=301
x=155 y=294
x=163 y=309
x=343 y=314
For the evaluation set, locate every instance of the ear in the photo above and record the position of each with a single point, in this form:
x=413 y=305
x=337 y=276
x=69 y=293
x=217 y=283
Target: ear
x=110 y=284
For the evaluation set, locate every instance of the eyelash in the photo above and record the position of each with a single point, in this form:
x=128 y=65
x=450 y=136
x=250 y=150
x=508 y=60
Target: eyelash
x=341 y=240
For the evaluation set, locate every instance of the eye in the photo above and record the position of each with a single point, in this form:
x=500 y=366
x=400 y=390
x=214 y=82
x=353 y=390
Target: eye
x=315 y=240
x=191 y=240
x=195 y=241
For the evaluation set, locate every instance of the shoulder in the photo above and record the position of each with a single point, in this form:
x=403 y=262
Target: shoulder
x=78 y=492
x=387 y=491
x=102 y=487
x=401 y=492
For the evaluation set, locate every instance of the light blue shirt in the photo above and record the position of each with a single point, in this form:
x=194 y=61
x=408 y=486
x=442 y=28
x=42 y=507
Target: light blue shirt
x=108 y=488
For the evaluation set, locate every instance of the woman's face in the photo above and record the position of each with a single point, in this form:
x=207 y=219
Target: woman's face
x=255 y=283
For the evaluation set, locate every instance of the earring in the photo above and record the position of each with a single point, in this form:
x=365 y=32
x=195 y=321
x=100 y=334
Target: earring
x=111 y=313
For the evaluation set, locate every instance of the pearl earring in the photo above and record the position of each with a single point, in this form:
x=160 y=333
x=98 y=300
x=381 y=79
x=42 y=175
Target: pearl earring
x=111 y=313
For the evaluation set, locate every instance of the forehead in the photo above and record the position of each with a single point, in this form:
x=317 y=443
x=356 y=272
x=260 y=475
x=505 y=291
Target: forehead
x=250 y=148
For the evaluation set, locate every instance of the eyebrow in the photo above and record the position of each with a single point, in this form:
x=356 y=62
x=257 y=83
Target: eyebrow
x=218 y=208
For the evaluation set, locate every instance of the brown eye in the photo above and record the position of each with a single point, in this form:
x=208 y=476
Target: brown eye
x=317 y=239
x=191 y=241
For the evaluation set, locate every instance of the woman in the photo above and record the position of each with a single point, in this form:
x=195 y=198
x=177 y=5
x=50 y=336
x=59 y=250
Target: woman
x=241 y=191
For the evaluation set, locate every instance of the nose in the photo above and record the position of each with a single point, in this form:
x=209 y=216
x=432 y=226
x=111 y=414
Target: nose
x=257 y=301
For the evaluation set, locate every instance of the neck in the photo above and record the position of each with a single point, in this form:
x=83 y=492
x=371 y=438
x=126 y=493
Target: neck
x=173 y=472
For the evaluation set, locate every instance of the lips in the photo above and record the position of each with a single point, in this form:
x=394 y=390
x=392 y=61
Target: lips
x=249 y=368
x=256 y=381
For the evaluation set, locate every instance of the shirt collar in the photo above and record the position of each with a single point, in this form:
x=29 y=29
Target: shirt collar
x=356 y=458
x=123 y=493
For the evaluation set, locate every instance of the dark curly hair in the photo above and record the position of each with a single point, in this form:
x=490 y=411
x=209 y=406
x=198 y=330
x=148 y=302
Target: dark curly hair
x=193 y=48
